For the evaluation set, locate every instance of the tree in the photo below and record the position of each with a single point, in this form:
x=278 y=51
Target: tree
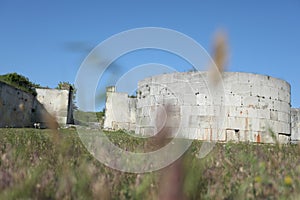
x=64 y=86
x=20 y=82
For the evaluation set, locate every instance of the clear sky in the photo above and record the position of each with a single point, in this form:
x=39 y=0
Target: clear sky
x=48 y=40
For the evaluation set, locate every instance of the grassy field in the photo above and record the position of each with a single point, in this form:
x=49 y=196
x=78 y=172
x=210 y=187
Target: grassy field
x=42 y=164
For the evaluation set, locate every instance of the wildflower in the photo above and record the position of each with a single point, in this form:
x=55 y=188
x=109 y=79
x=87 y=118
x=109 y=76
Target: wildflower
x=288 y=180
x=257 y=179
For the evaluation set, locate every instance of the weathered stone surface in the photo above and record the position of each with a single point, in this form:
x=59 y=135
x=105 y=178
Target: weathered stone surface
x=21 y=109
x=295 y=123
x=55 y=103
x=16 y=107
x=121 y=111
x=250 y=106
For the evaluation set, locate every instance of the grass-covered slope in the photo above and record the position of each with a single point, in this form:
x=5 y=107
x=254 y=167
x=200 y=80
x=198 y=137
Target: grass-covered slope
x=41 y=164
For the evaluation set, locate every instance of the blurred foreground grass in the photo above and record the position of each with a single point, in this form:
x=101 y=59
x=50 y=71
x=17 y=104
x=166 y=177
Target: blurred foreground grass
x=33 y=166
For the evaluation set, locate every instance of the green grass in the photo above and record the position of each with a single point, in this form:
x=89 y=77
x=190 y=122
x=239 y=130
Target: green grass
x=39 y=164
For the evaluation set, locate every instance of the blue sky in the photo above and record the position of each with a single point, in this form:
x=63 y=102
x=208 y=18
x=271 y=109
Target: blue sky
x=48 y=40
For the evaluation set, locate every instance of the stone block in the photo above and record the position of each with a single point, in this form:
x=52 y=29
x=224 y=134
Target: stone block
x=283 y=139
x=180 y=77
x=170 y=101
x=221 y=135
x=243 y=78
x=250 y=101
x=263 y=125
x=199 y=110
x=218 y=135
x=284 y=117
x=193 y=133
x=207 y=134
x=273 y=93
x=173 y=121
x=283 y=95
x=232 y=135
x=204 y=121
x=183 y=132
x=244 y=136
x=148 y=131
x=240 y=89
x=145 y=121
x=263 y=113
x=263 y=103
x=239 y=112
x=233 y=100
x=253 y=124
x=229 y=78
x=200 y=134
x=230 y=111
x=201 y=99
x=189 y=100
x=266 y=137
x=257 y=90
x=235 y=123
x=200 y=87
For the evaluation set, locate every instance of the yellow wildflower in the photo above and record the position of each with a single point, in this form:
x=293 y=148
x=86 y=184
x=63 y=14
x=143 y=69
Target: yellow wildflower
x=257 y=179
x=288 y=180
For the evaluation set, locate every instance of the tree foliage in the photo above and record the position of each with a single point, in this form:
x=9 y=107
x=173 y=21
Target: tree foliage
x=63 y=85
x=19 y=81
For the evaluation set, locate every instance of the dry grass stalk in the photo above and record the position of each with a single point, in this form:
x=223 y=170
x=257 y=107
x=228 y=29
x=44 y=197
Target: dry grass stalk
x=171 y=181
x=220 y=54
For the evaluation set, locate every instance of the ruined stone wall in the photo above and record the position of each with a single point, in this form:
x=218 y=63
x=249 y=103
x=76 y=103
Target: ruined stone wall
x=295 y=123
x=16 y=107
x=21 y=109
x=56 y=103
x=120 y=110
x=254 y=106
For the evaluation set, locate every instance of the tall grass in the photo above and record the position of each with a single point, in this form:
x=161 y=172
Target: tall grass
x=34 y=166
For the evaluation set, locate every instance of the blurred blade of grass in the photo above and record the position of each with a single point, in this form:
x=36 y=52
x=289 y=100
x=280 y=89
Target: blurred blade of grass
x=220 y=57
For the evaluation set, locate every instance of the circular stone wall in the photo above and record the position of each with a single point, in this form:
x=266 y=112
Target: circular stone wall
x=252 y=107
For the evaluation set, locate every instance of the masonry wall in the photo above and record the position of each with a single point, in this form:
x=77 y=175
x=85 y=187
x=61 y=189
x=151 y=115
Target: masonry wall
x=57 y=103
x=295 y=123
x=120 y=110
x=254 y=106
x=16 y=107
x=22 y=109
